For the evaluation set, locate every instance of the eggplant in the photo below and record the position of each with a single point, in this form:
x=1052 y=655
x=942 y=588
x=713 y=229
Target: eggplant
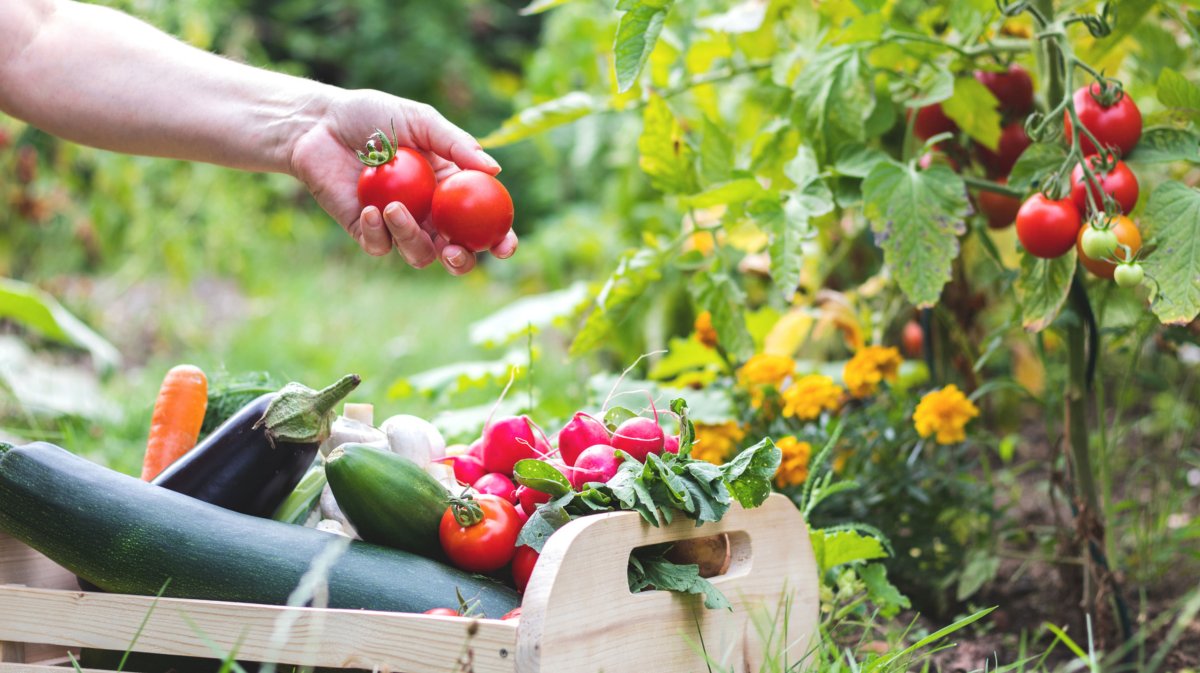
x=253 y=460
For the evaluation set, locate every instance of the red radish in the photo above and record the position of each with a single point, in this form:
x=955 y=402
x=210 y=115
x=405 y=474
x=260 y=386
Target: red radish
x=476 y=449
x=498 y=485
x=522 y=566
x=596 y=463
x=514 y=613
x=467 y=468
x=671 y=444
x=521 y=515
x=530 y=499
x=507 y=441
x=639 y=436
x=578 y=434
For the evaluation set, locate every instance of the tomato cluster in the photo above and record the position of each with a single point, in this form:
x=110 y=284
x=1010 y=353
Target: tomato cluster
x=468 y=208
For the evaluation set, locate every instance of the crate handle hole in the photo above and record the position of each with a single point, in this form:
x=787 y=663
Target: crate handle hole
x=720 y=555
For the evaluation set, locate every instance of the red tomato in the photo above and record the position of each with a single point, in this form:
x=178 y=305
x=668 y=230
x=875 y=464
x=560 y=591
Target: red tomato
x=1118 y=126
x=928 y=159
x=1000 y=209
x=486 y=545
x=931 y=121
x=522 y=566
x=913 y=339
x=514 y=613
x=1013 y=88
x=1047 y=228
x=472 y=209
x=1120 y=183
x=1127 y=234
x=444 y=612
x=405 y=177
x=1013 y=142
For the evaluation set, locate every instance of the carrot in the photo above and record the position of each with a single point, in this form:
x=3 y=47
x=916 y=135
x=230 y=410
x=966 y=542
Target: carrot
x=178 y=415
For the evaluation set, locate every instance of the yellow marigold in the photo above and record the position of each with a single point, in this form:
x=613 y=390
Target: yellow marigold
x=869 y=367
x=767 y=370
x=793 y=469
x=945 y=412
x=717 y=442
x=705 y=331
x=809 y=395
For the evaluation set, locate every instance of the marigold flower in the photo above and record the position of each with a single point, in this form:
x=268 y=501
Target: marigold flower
x=793 y=469
x=767 y=370
x=869 y=367
x=705 y=332
x=945 y=412
x=809 y=395
x=717 y=442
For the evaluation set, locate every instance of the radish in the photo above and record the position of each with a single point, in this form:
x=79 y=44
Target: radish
x=467 y=468
x=639 y=436
x=578 y=434
x=498 y=485
x=596 y=463
x=671 y=444
x=476 y=449
x=530 y=499
x=506 y=441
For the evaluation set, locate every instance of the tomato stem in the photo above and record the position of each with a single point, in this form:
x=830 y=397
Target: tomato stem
x=466 y=511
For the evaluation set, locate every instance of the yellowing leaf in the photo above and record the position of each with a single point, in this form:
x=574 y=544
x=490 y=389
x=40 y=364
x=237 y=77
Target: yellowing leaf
x=790 y=333
x=973 y=108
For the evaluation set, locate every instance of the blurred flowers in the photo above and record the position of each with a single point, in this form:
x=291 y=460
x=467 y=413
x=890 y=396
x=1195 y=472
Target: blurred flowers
x=766 y=370
x=809 y=395
x=793 y=469
x=945 y=412
x=705 y=332
x=870 y=366
x=716 y=442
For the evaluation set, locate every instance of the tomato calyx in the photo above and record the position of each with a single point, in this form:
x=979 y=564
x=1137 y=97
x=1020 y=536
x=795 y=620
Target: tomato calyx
x=380 y=148
x=1107 y=92
x=466 y=511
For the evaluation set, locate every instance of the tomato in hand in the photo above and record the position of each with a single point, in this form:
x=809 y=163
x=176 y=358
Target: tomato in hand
x=1013 y=88
x=480 y=534
x=1119 y=183
x=1013 y=142
x=931 y=121
x=393 y=173
x=522 y=566
x=1047 y=228
x=1126 y=232
x=999 y=209
x=472 y=209
x=1117 y=126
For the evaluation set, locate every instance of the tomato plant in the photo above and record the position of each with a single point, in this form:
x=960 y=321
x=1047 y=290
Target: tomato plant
x=930 y=121
x=1013 y=141
x=1129 y=275
x=1122 y=231
x=392 y=173
x=913 y=339
x=1109 y=116
x=999 y=209
x=1047 y=228
x=1012 y=87
x=1117 y=181
x=472 y=209
x=479 y=535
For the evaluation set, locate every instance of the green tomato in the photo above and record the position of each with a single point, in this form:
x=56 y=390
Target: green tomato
x=1098 y=244
x=1129 y=275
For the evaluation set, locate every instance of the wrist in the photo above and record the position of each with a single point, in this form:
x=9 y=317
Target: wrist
x=309 y=110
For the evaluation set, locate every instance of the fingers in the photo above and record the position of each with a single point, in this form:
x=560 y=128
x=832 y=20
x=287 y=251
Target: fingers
x=414 y=244
x=457 y=259
x=505 y=249
x=435 y=133
x=372 y=235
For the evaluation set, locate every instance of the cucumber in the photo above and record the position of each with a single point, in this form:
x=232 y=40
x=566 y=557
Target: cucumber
x=388 y=499
x=128 y=536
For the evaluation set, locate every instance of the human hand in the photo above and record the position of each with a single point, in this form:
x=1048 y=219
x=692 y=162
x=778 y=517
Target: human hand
x=324 y=159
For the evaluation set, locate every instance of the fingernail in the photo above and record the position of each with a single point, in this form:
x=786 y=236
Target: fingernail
x=489 y=161
x=456 y=259
x=372 y=219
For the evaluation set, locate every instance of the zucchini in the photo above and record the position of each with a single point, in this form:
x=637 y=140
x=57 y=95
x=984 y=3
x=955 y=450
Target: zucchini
x=388 y=499
x=127 y=536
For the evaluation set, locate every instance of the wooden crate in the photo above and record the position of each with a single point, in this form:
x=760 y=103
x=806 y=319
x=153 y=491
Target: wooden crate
x=578 y=615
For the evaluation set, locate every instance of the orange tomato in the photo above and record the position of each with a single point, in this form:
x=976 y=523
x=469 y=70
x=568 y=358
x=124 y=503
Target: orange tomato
x=1127 y=234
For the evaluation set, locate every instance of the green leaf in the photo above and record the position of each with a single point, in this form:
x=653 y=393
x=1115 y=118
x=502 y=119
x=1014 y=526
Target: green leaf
x=1035 y=164
x=734 y=191
x=1172 y=220
x=679 y=496
x=917 y=217
x=881 y=592
x=637 y=34
x=541 y=476
x=38 y=312
x=716 y=154
x=543 y=117
x=665 y=154
x=630 y=488
x=529 y=312
x=832 y=548
x=788 y=229
x=980 y=568
x=615 y=416
x=1164 y=144
x=684 y=356
x=811 y=193
x=653 y=570
x=635 y=274
x=973 y=108
x=1042 y=287
x=687 y=431
x=1179 y=94
x=750 y=472
x=539 y=6
x=720 y=296
x=544 y=521
x=835 y=94
x=857 y=161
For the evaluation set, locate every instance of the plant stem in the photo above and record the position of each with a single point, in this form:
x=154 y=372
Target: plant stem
x=989 y=186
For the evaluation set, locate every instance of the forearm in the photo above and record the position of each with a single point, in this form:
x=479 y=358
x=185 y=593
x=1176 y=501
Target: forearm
x=102 y=78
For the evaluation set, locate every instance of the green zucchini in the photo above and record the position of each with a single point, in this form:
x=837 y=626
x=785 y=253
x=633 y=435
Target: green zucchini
x=127 y=536
x=388 y=499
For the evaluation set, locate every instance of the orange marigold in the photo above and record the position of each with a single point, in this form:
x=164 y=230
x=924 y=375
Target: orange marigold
x=793 y=469
x=717 y=442
x=869 y=366
x=767 y=370
x=945 y=412
x=809 y=395
x=705 y=332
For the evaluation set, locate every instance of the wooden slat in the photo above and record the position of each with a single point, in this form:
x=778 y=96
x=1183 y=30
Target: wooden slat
x=21 y=565
x=336 y=638
x=45 y=668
